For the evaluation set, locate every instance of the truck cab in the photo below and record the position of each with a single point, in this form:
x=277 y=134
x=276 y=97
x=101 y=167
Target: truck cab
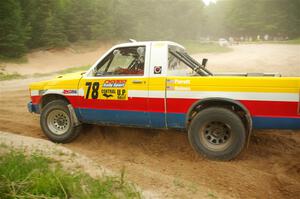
x=128 y=86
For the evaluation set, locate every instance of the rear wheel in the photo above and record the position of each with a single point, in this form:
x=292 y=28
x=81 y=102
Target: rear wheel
x=217 y=133
x=56 y=122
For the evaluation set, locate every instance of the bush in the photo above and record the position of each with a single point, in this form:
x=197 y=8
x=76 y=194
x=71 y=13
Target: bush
x=36 y=176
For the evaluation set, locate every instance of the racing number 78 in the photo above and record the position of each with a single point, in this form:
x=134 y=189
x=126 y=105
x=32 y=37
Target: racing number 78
x=95 y=90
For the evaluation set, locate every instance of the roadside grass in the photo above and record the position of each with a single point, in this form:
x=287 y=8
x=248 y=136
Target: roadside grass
x=194 y=47
x=292 y=42
x=35 y=176
x=10 y=76
x=64 y=71
x=18 y=60
x=73 y=69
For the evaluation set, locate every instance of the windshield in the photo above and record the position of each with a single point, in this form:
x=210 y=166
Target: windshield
x=179 y=55
x=122 y=61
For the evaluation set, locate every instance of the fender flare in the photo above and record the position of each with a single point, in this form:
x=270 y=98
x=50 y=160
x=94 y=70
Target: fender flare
x=228 y=101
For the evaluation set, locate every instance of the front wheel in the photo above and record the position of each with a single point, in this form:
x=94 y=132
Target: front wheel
x=217 y=133
x=57 y=124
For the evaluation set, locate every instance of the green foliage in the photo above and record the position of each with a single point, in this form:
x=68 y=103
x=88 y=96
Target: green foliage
x=56 y=23
x=36 y=13
x=35 y=176
x=13 y=34
x=237 y=18
x=54 y=35
x=18 y=60
x=293 y=41
x=6 y=76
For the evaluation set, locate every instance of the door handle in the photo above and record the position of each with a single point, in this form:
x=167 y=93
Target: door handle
x=137 y=81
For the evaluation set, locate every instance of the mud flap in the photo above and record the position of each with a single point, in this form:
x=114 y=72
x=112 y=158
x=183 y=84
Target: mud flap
x=249 y=129
x=74 y=118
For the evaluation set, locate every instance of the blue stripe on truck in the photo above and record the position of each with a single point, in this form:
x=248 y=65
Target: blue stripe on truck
x=276 y=123
x=157 y=120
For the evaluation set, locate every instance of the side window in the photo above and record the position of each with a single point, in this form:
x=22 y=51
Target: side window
x=177 y=67
x=123 y=61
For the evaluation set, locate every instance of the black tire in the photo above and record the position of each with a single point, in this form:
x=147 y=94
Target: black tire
x=217 y=133
x=57 y=124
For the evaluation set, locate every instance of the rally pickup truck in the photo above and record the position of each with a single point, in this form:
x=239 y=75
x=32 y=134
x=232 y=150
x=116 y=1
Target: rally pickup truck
x=158 y=85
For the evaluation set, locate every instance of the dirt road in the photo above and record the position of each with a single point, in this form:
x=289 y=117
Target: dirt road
x=267 y=58
x=164 y=161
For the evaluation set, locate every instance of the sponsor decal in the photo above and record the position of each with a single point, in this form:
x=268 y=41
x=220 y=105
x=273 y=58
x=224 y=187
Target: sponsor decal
x=179 y=85
x=179 y=81
x=114 y=94
x=114 y=83
x=114 y=90
x=157 y=69
x=109 y=90
x=182 y=81
x=68 y=92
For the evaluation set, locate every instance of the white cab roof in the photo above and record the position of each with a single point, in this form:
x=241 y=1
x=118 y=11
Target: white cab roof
x=148 y=42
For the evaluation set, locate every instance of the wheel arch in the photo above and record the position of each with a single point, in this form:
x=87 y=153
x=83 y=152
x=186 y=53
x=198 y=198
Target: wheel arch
x=54 y=96
x=233 y=105
x=50 y=97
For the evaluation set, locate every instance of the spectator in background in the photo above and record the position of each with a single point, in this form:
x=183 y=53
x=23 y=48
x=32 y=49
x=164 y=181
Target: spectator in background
x=266 y=37
x=231 y=40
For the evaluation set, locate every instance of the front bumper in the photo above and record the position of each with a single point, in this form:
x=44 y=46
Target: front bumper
x=33 y=108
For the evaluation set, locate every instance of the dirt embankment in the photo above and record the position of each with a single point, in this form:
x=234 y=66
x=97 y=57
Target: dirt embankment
x=164 y=161
x=55 y=60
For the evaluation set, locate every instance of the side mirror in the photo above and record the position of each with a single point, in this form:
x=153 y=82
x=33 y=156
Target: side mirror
x=99 y=73
x=204 y=62
x=116 y=52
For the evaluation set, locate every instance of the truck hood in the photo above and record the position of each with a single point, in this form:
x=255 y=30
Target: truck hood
x=71 y=75
x=65 y=81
